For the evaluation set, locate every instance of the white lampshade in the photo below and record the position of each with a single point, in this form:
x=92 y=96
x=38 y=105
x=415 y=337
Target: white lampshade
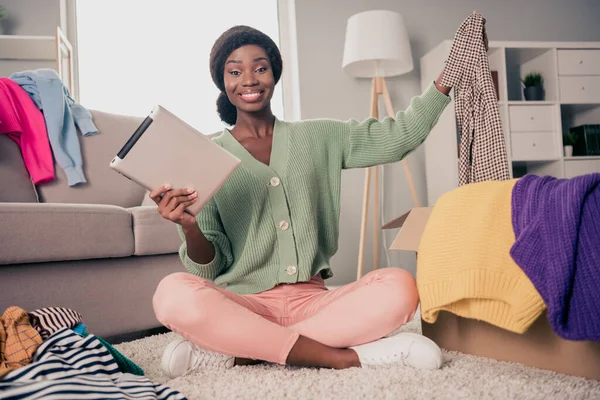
x=376 y=45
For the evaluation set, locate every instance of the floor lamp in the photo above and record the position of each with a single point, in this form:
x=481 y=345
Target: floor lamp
x=377 y=47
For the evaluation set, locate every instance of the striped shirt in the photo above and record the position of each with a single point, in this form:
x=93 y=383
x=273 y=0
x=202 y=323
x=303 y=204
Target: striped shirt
x=67 y=366
x=51 y=319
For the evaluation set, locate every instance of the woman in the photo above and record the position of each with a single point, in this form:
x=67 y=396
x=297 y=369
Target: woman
x=259 y=251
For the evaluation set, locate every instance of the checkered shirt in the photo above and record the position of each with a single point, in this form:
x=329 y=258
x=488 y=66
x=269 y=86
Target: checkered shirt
x=18 y=340
x=482 y=154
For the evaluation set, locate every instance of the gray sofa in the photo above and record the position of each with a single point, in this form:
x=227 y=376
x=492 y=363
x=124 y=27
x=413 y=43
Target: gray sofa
x=97 y=248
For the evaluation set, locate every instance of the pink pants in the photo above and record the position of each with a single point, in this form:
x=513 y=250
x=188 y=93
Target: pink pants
x=265 y=326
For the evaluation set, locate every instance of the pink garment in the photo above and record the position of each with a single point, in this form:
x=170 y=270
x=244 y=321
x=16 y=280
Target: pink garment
x=21 y=120
x=265 y=326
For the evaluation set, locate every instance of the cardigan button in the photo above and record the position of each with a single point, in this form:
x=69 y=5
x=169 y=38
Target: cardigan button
x=275 y=181
x=291 y=270
x=284 y=225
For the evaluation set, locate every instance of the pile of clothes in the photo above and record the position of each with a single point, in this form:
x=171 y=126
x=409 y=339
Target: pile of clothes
x=39 y=114
x=505 y=251
x=48 y=353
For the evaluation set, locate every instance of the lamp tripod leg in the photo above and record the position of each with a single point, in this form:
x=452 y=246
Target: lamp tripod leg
x=379 y=87
x=363 y=225
x=390 y=112
x=376 y=84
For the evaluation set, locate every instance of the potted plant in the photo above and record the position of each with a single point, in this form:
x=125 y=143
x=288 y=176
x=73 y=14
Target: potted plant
x=534 y=86
x=569 y=140
x=3 y=16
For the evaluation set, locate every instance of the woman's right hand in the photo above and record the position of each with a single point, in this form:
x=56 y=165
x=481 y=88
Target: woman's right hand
x=173 y=202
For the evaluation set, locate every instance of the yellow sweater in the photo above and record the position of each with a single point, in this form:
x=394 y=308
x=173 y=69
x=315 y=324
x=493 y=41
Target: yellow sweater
x=464 y=265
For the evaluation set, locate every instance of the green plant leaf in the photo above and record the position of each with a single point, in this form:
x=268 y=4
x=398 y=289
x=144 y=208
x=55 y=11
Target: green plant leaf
x=533 y=79
x=569 y=138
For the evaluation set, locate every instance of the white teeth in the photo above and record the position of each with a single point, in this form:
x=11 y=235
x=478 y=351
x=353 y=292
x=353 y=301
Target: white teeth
x=250 y=96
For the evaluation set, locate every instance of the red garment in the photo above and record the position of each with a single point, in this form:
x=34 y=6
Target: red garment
x=21 y=120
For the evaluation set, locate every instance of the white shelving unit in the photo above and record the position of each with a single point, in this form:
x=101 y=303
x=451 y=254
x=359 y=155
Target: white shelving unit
x=20 y=47
x=28 y=50
x=533 y=129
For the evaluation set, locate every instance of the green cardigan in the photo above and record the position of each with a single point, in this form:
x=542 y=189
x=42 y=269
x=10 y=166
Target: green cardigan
x=280 y=223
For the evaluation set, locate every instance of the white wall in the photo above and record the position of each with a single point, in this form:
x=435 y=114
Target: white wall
x=327 y=92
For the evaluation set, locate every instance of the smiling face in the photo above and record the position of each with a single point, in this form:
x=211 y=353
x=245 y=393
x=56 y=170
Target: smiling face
x=249 y=81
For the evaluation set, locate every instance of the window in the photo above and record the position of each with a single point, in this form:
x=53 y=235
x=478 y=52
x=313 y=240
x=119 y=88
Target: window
x=135 y=54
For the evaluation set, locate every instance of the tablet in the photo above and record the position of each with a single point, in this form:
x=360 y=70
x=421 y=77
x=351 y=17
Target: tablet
x=166 y=150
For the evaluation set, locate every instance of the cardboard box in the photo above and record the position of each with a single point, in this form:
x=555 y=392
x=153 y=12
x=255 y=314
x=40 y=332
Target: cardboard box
x=538 y=347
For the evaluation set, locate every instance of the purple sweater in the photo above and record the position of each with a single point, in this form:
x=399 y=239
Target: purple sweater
x=557 y=229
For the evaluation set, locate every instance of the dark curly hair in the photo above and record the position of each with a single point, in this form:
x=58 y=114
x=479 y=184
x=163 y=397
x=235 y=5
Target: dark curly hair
x=227 y=43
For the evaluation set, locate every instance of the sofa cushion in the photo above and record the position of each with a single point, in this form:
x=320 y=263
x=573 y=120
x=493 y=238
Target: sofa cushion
x=147 y=201
x=104 y=186
x=152 y=233
x=60 y=232
x=15 y=182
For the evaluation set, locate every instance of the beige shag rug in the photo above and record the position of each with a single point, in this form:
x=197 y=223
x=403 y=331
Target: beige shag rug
x=461 y=377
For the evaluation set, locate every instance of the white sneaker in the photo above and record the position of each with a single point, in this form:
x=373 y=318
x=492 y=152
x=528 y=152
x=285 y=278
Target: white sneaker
x=410 y=349
x=182 y=356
